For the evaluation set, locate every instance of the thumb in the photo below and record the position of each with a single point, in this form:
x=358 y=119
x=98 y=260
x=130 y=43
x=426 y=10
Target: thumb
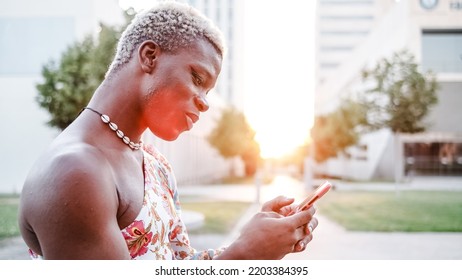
x=277 y=203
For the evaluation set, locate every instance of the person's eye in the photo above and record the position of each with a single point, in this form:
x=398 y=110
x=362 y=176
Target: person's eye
x=197 y=79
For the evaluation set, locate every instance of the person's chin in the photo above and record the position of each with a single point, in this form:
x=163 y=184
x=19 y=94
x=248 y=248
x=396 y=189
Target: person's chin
x=169 y=136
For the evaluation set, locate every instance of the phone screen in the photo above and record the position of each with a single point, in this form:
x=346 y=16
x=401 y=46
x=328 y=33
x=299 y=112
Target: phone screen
x=318 y=193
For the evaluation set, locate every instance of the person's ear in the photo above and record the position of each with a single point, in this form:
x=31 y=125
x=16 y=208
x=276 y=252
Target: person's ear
x=147 y=54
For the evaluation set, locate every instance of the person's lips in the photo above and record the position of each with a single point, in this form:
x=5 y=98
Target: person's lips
x=194 y=118
x=191 y=119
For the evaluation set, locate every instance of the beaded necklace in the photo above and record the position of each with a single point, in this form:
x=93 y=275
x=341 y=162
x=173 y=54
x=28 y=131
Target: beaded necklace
x=115 y=128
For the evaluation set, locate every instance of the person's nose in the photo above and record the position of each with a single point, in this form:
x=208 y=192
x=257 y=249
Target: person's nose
x=201 y=103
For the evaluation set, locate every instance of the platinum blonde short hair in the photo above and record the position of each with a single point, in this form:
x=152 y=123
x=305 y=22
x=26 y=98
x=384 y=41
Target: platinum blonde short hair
x=171 y=25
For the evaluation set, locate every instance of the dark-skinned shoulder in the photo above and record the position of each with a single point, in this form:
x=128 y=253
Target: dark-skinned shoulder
x=69 y=192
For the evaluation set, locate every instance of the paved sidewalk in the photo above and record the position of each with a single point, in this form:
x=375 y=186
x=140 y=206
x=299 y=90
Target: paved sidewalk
x=332 y=242
x=13 y=249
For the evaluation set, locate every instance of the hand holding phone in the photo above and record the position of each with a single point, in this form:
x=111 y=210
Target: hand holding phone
x=317 y=194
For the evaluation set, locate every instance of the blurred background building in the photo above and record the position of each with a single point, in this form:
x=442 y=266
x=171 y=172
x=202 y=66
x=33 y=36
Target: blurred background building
x=355 y=34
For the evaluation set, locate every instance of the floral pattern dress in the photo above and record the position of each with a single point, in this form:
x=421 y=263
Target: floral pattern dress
x=158 y=232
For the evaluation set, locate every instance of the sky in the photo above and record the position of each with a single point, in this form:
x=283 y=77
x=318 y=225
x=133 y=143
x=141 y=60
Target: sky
x=279 y=71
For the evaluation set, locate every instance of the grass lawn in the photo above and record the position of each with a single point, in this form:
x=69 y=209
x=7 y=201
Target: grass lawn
x=220 y=216
x=408 y=211
x=8 y=216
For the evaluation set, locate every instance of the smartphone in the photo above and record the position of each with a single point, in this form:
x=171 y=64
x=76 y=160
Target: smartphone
x=317 y=194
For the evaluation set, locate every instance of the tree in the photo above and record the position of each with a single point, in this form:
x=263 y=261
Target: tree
x=233 y=136
x=66 y=87
x=334 y=132
x=400 y=96
x=69 y=84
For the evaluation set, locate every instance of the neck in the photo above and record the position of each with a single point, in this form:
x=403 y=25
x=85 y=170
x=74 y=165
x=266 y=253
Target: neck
x=121 y=103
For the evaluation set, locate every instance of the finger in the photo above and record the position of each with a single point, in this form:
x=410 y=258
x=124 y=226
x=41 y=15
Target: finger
x=308 y=235
x=301 y=218
x=287 y=210
x=311 y=226
x=301 y=244
x=277 y=203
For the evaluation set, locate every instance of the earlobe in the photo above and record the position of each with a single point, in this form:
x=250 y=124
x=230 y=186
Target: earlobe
x=147 y=55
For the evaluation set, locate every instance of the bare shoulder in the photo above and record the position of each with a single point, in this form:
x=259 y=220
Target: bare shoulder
x=60 y=170
x=66 y=191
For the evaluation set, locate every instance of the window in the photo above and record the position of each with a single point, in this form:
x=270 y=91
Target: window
x=347 y=17
x=336 y=48
x=346 y=2
x=442 y=51
x=433 y=158
x=345 y=32
x=328 y=65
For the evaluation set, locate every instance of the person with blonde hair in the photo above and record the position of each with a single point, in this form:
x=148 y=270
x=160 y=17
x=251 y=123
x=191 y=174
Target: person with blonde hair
x=98 y=192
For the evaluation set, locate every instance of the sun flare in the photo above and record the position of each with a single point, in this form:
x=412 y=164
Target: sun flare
x=276 y=142
x=279 y=57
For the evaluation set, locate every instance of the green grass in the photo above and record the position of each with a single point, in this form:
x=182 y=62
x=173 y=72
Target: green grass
x=220 y=216
x=408 y=211
x=8 y=216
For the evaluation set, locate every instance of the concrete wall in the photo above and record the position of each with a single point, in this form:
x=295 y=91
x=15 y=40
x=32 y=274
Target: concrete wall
x=447 y=115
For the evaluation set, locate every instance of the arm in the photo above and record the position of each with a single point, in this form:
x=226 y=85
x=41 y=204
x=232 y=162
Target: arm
x=271 y=235
x=73 y=209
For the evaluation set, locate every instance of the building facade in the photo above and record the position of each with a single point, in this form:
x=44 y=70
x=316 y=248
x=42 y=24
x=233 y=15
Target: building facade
x=354 y=35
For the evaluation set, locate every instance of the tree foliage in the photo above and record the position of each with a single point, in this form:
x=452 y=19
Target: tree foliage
x=69 y=83
x=233 y=136
x=334 y=132
x=400 y=96
x=397 y=96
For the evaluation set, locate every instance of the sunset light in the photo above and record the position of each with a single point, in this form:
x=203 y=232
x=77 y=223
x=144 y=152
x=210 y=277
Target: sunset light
x=280 y=73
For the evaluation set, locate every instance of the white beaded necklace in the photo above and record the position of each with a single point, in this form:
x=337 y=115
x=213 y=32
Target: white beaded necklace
x=115 y=128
